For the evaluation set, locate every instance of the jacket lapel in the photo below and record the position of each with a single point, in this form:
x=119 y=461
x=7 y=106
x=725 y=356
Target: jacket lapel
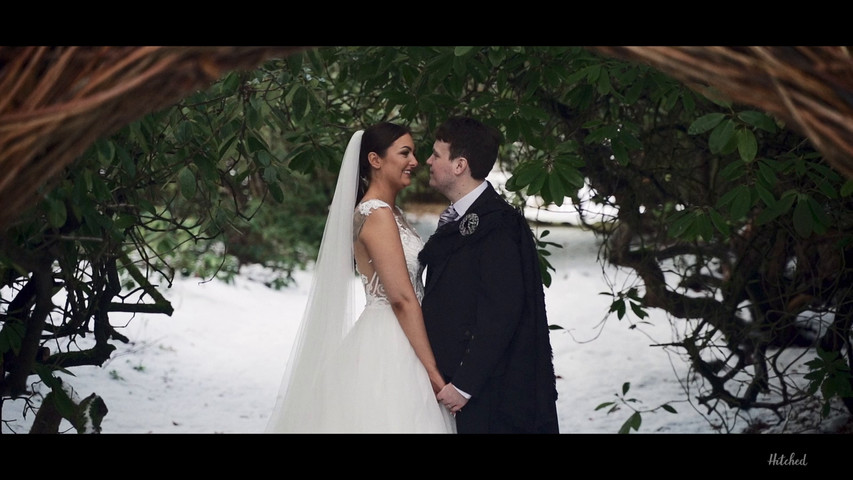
x=447 y=239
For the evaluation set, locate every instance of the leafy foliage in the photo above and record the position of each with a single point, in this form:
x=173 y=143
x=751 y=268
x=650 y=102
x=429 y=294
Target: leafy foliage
x=635 y=420
x=831 y=374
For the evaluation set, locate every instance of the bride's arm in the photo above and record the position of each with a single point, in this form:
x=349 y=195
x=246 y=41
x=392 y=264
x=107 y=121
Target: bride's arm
x=380 y=238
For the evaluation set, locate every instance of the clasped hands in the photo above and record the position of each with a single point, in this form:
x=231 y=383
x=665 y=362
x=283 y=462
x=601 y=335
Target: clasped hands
x=450 y=397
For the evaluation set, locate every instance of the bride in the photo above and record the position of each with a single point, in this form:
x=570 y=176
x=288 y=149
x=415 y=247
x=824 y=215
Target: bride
x=377 y=374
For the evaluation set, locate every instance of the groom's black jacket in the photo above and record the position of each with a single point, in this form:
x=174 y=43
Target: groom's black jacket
x=484 y=310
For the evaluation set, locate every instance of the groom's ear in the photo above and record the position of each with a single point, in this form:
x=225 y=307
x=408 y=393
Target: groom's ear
x=461 y=165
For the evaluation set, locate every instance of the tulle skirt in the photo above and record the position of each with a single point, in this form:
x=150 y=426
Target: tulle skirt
x=376 y=384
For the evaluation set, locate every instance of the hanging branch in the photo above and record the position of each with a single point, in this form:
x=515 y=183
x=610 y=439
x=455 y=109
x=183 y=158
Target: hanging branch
x=809 y=88
x=56 y=101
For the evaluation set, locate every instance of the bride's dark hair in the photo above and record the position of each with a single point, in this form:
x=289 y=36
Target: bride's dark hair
x=376 y=138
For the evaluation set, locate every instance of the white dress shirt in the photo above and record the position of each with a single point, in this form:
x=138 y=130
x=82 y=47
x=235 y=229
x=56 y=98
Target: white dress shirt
x=465 y=202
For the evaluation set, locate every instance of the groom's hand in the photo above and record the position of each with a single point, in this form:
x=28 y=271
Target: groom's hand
x=450 y=397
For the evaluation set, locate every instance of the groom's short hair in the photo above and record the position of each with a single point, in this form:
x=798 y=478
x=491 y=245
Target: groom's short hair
x=473 y=140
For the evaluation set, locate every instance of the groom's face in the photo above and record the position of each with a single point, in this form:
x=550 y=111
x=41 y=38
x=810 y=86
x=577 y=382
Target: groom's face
x=441 y=168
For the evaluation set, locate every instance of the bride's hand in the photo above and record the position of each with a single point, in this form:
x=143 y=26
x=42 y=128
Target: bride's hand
x=451 y=398
x=437 y=381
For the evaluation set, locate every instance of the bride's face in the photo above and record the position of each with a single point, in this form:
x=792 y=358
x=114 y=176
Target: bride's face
x=399 y=162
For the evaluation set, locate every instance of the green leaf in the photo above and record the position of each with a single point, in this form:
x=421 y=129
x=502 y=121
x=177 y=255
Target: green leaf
x=106 y=151
x=747 y=146
x=264 y=158
x=231 y=82
x=758 y=119
x=765 y=195
x=276 y=192
x=556 y=188
x=496 y=56
x=705 y=123
x=146 y=206
x=741 y=202
x=819 y=215
x=572 y=176
x=603 y=84
x=621 y=154
x=721 y=136
x=270 y=174
x=592 y=73
x=719 y=222
x=636 y=421
x=207 y=167
x=186 y=180
x=679 y=223
x=779 y=208
x=733 y=171
x=803 y=220
x=127 y=162
x=704 y=227
x=11 y=336
x=300 y=103
x=633 y=422
x=124 y=221
x=255 y=144
x=638 y=310
x=629 y=140
x=57 y=214
x=460 y=51
x=184 y=131
x=525 y=173
x=618 y=306
x=535 y=187
x=302 y=162
x=634 y=92
x=767 y=173
x=668 y=408
x=546 y=277
x=601 y=134
x=727 y=198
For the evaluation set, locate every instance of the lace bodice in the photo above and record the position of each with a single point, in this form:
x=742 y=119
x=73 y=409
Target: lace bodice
x=412 y=245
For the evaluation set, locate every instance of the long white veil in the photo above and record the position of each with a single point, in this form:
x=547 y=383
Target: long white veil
x=330 y=311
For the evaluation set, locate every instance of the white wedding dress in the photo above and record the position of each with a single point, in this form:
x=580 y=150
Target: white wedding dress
x=374 y=382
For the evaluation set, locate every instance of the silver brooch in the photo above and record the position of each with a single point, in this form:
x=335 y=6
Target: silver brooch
x=468 y=224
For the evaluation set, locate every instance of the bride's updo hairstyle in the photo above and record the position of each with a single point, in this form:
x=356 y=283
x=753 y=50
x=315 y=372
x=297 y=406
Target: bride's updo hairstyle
x=376 y=138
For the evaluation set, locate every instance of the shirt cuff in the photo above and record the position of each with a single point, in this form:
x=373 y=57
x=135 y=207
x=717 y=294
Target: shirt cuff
x=464 y=394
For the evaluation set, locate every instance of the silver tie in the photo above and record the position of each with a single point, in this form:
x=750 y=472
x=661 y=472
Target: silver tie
x=448 y=215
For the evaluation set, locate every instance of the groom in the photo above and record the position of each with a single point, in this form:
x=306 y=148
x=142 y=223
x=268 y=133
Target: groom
x=484 y=304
